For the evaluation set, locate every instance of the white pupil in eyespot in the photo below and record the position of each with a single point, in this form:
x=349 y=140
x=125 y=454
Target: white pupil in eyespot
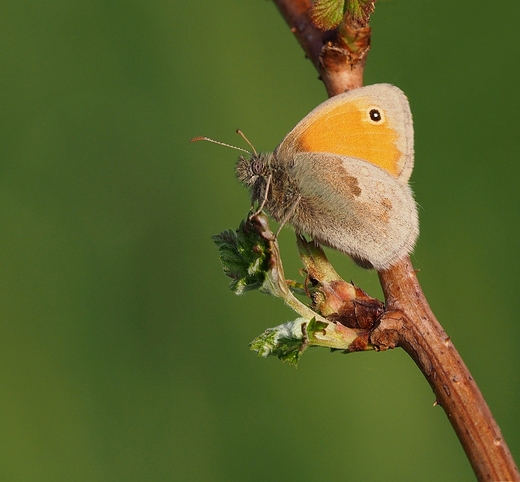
x=375 y=115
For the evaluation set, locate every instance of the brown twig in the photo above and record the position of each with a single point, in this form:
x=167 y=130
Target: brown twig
x=408 y=321
x=339 y=56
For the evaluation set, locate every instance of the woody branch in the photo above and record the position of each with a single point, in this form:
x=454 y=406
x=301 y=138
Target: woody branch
x=408 y=321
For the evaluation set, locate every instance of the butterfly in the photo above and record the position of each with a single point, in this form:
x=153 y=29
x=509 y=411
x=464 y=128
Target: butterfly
x=341 y=176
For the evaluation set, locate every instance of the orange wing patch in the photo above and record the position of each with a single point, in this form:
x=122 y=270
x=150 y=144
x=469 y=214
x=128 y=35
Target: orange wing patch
x=346 y=130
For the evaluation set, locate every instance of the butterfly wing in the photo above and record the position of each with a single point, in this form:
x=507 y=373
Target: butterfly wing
x=373 y=123
x=355 y=207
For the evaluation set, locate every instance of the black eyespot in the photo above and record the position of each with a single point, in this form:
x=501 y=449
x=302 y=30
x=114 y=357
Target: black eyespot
x=375 y=115
x=257 y=166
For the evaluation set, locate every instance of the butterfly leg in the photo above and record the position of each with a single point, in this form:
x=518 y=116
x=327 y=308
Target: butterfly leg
x=288 y=215
x=262 y=204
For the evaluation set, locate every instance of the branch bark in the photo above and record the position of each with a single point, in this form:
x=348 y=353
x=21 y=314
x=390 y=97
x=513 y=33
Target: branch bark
x=339 y=56
x=408 y=321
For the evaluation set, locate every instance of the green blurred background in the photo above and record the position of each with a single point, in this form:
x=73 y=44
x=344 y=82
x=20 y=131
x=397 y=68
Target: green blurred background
x=124 y=356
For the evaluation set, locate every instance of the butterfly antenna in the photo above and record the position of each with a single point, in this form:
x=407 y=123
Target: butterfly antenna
x=247 y=140
x=202 y=138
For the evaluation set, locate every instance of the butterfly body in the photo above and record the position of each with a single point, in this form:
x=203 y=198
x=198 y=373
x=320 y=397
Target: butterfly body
x=341 y=176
